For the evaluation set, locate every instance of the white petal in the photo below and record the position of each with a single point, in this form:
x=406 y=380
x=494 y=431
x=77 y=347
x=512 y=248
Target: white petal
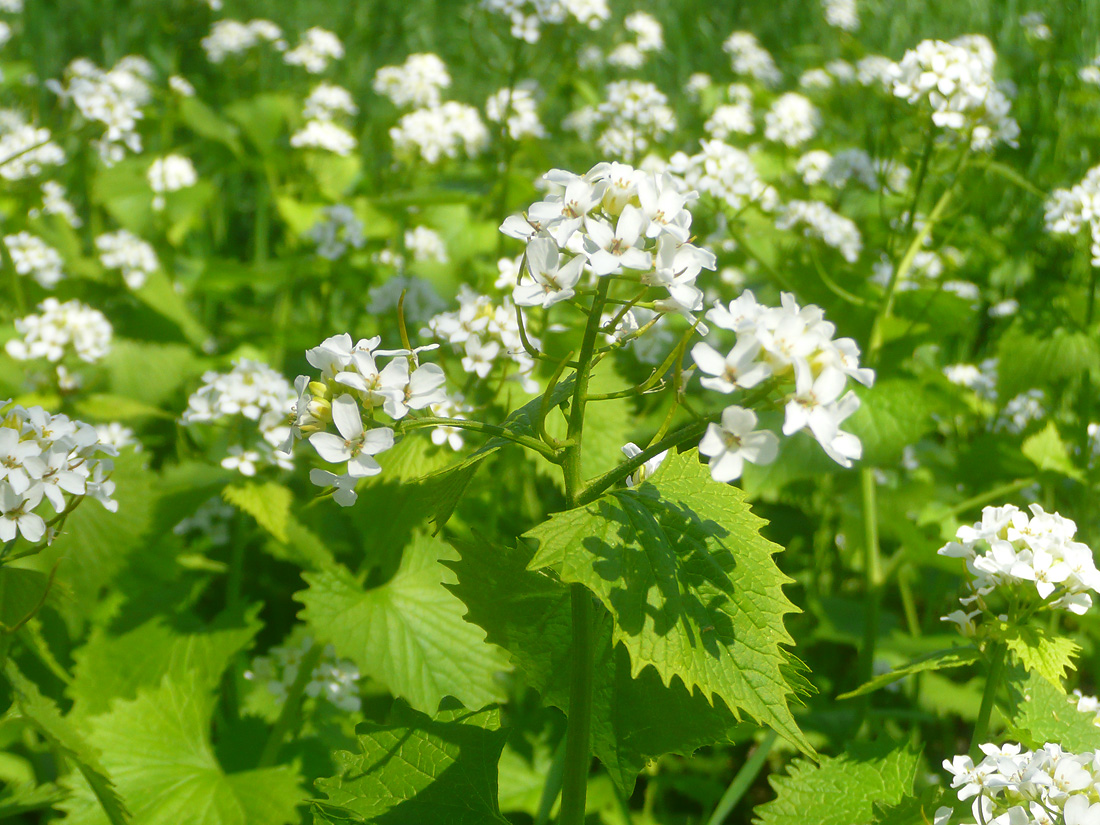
x=330 y=447
x=346 y=417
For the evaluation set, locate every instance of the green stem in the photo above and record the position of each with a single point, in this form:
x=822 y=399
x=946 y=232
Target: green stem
x=552 y=787
x=743 y=780
x=481 y=427
x=992 y=683
x=288 y=716
x=872 y=571
x=578 y=756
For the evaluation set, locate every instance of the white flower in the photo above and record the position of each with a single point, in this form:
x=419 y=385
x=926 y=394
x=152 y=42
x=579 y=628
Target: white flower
x=171 y=173
x=59 y=327
x=344 y=493
x=416 y=83
x=611 y=249
x=553 y=281
x=734 y=442
x=353 y=445
x=737 y=370
x=17 y=516
x=748 y=57
x=479 y=357
x=792 y=120
x=630 y=450
x=437 y=132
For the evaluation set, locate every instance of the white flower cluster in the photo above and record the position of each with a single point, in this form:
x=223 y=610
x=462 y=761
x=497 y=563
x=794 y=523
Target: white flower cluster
x=437 y=132
x=1020 y=411
x=425 y=244
x=55 y=202
x=1035 y=25
x=748 y=57
x=113 y=98
x=817 y=220
x=613 y=218
x=518 y=109
x=416 y=83
x=25 y=149
x=634 y=115
x=44 y=456
x=170 y=173
x=1068 y=211
x=33 y=256
x=791 y=120
x=232 y=37
x=793 y=346
x=333 y=679
x=734 y=117
x=59 y=327
x=1013 y=786
x=256 y=392
x=841 y=14
x=529 y=16
x=726 y=173
x=486 y=334
x=353 y=384
x=818 y=166
x=317 y=48
x=338 y=229
x=648 y=37
x=981 y=378
x=956 y=80
x=877 y=71
x=1007 y=551
x=324 y=106
x=129 y=254
x=1087 y=704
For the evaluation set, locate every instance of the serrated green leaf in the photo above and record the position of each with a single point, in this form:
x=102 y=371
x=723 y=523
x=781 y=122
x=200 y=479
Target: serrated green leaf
x=690 y=583
x=417 y=770
x=913 y=810
x=267 y=502
x=1042 y=713
x=1048 y=452
x=842 y=790
x=21 y=799
x=1040 y=652
x=158 y=748
x=528 y=614
x=409 y=633
x=103 y=799
x=116 y=667
x=938 y=660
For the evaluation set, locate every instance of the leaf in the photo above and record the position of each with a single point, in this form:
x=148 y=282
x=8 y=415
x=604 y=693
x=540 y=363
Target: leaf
x=267 y=502
x=1028 y=361
x=262 y=118
x=21 y=799
x=408 y=633
x=103 y=799
x=151 y=373
x=1049 y=453
x=104 y=407
x=913 y=810
x=894 y=414
x=528 y=614
x=692 y=586
x=21 y=594
x=159 y=294
x=937 y=660
x=1041 y=713
x=117 y=667
x=204 y=121
x=417 y=770
x=842 y=790
x=158 y=747
x=1039 y=652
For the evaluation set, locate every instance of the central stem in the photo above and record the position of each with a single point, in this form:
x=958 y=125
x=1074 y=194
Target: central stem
x=577 y=746
x=992 y=683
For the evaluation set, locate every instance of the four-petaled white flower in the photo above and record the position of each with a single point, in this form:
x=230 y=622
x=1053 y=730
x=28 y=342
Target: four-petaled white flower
x=740 y=369
x=733 y=442
x=17 y=516
x=610 y=250
x=553 y=281
x=354 y=445
x=630 y=450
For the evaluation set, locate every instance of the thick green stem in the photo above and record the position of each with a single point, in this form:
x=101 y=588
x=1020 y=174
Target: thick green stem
x=992 y=683
x=288 y=716
x=578 y=754
x=577 y=747
x=743 y=780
